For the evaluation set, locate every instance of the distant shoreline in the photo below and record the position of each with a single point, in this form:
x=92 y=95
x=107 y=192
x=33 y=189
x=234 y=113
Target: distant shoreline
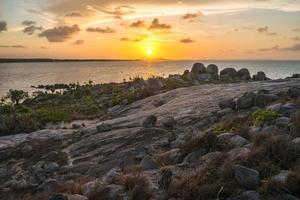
x=32 y=60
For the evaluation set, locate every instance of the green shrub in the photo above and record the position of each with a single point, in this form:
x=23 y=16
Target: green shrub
x=45 y=116
x=261 y=117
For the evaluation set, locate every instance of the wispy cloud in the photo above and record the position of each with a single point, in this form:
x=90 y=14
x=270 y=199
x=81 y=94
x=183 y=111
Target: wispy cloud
x=100 y=30
x=187 y=40
x=155 y=24
x=266 y=30
x=13 y=46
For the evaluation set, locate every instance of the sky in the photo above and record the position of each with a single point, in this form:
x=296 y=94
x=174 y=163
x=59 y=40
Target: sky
x=141 y=29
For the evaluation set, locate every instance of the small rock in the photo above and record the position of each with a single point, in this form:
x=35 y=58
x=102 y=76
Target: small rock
x=75 y=126
x=193 y=157
x=148 y=163
x=149 y=121
x=230 y=103
x=169 y=122
x=263 y=100
x=76 y=197
x=48 y=186
x=294 y=92
x=281 y=177
x=111 y=175
x=246 y=177
x=58 y=197
x=238 y=141
x=238 y=153
x=210 y=157
x=247 y=195
x=275 y=107
x=104 y=127
x=51 y=167
x=296 y=140
x=162 y=142
x=140 y=152
x=283 y=122
x=26 y=149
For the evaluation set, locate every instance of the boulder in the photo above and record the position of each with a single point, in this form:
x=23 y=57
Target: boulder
x=284 y=197
x=230 y=103
x=169 y=122
x=244 y=74
x=209 y=157
x=228 y=74
x=46 y=135
x=238 y=141
x=260 y=76
x=204 y=77
x=263 y=100
x=76 y=126
x=213 y=70
x=246 y=101
x=296 y=140
x=294 y=92
x=289 y=109
x=197 y=72
x=223 y=112
x=26 y=150
x=149 y=121
x=162 y=142
x=104 y=127
x=148 y=163
x=140 y=152
x=246 y=177
x=238 y=153
x=18 y=186
x=173 y=155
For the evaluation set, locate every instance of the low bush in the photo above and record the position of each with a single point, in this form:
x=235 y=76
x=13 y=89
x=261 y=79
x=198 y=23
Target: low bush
x=137 y=187
x=261 y=117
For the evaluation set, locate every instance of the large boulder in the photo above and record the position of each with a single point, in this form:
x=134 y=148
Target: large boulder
x=246 y=177
x=260 y=76
x=246 y=101
x=213 y=70
x=244 y=74
x=199 y=73
x=228 y=74
x=263 y=100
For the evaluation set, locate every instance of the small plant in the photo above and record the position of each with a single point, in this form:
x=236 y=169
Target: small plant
x=16 y=96
x=261 y=117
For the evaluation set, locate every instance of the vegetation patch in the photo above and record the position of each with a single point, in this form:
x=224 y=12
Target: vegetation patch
x=261 y=117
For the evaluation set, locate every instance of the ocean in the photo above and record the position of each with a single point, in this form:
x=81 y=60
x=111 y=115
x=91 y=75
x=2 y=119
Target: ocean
x=24 y=75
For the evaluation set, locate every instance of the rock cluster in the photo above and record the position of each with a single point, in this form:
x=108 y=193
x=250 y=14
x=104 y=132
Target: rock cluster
x=199 y=74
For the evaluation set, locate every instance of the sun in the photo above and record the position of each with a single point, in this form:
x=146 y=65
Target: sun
x=149 y=52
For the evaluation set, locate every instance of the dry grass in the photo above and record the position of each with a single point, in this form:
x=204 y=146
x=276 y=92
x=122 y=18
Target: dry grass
x=210 y=182
x=33 y=197
x=73 y=187
x=137 y=187
x=103 y=193
x=207 y=142
x=270 y=155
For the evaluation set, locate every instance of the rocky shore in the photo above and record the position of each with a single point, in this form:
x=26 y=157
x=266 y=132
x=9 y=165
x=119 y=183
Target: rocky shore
x=218 y=135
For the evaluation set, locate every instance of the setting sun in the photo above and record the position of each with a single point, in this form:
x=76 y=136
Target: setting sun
x=149 y=52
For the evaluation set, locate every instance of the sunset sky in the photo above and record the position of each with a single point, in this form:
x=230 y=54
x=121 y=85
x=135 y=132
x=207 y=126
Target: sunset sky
x=137 y=29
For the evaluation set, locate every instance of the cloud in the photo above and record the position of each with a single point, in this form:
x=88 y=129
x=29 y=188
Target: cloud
x=138 y=24
x=100 y=30
x=295 y=47
x=74 y=14
x=191 y=16
x=187 y=40
x=296 y=30
x=28 y=23
x=275 y=48
x=78 y=42
x=3 y=26
x=117 y=12
x=61 y=33
x=156 y=25
x=13 y=46
x=42 y=47
x=126 y=39
x=266 y=30
x=296 y=39
x=29 y=30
